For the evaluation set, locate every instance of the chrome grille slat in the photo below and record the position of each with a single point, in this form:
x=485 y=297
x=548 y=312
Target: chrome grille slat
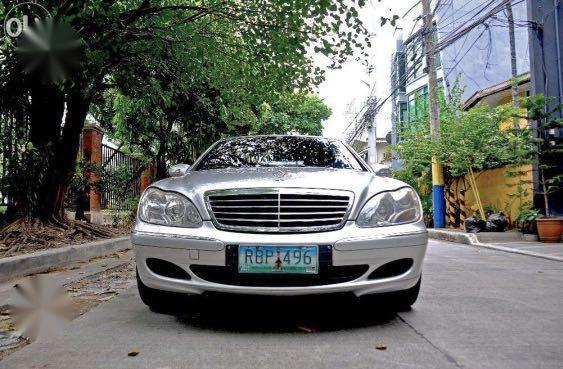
x=279 y=210
x=242 y=207
x=246 y=200
x=341 y=213
x=249 y=220
x=320 y=201
x=344 y=208
x=244 y=213
x=312 y=220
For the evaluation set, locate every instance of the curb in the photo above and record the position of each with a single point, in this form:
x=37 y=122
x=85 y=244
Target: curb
x=42 y=261
x=471 y=239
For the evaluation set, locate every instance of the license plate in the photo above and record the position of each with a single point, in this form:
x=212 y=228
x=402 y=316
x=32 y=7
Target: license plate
x=278 y=259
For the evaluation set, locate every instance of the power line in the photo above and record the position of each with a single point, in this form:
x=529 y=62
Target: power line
x=468 y=14
x=465 y=54
x=443 y=44
x=412 y=8
x=452 y=38
x=355 y=119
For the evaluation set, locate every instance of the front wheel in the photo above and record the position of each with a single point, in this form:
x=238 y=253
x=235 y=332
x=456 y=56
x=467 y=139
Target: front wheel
x=160 y=301
x=397 y=300
x=403 y=300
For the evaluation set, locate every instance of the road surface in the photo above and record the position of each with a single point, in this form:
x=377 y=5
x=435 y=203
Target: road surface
x=478 y=309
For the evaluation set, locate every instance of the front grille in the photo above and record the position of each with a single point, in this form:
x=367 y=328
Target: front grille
x=279 y=210
x=328 y=274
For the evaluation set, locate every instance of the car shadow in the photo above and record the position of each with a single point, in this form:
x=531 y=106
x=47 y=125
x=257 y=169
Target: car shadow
x=306 y=314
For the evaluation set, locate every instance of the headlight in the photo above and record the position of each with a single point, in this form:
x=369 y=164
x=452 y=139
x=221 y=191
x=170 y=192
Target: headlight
x=168 y=208
x=390 y=208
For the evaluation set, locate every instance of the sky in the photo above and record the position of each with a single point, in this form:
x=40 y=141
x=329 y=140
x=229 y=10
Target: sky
x=345 y=89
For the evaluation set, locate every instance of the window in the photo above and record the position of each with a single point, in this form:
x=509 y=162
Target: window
x=403 y=112
x=398 y=77
x=279 y=151
x=418 y=104
x=415 y=56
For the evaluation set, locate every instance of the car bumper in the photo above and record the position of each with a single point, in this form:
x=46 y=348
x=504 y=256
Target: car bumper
x=349 y=246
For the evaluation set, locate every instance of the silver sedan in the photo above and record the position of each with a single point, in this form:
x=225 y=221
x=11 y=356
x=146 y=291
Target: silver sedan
x=279 y=215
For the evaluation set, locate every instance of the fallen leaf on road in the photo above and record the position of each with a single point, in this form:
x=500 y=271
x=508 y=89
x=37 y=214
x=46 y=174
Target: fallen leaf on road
x=7 y=326
x=307 y=329
x=118 y=254
x=133 y=353
x=381 y=346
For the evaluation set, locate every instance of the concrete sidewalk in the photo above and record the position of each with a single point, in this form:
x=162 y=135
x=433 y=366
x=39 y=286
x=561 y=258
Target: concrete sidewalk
x=503 y=241
x=45 y=260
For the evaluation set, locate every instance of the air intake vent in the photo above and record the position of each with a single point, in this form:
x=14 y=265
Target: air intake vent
x=392 y=269
x=167 y=269
x=279 y=210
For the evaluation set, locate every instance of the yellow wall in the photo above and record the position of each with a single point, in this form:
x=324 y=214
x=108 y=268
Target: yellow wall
x=495 y=188
x=510 y=123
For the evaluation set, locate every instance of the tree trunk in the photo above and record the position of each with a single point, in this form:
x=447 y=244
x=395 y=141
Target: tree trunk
x=46 y=112
x=79 y=209
x=64 y=156
x=161 y=168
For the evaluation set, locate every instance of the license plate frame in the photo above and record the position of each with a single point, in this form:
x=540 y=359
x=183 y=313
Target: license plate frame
x=267 y=262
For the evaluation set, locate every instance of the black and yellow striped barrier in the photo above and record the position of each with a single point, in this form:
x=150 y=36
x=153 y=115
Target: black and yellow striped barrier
x=451 y=212
x=462 y=210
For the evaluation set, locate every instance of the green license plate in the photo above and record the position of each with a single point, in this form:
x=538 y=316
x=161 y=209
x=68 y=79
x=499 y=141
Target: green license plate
x=278 y=259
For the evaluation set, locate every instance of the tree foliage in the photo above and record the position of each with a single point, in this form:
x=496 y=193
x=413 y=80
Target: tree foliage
x=469 y=139
x=544 y=147
x=197 y=64
x=484 y=138
x=295 y=113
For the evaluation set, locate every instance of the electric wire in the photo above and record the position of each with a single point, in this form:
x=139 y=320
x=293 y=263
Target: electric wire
x=444 y=43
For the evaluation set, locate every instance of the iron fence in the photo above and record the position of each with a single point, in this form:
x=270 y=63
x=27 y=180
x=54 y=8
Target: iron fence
x=112 y=161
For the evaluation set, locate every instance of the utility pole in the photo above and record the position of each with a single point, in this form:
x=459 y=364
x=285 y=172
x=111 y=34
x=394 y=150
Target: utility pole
x=369 y=122
x=513 y=61
x=438 y=198
x=372 y=142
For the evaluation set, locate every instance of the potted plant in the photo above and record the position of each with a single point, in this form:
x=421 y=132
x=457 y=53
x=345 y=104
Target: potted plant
x=550 y=227
x=548 y=153
x=526 y=218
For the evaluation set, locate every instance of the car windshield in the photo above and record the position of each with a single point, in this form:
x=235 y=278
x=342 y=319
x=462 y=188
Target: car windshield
x=281 y=151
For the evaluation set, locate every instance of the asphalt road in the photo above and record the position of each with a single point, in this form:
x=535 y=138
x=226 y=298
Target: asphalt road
x=478 y=309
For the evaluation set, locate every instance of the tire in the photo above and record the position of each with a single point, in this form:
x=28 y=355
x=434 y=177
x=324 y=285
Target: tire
x=160 y=301
x=403 y=300
x=395 y=301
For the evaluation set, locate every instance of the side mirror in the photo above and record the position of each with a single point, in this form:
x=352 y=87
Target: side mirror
x=178 y=170
x=382 y=170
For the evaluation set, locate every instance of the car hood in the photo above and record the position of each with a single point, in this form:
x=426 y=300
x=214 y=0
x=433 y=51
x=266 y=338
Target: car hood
x=195 y=184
